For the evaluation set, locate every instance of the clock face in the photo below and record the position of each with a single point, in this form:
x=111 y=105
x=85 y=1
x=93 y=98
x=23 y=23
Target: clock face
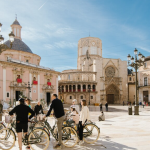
x=110 y=72
x=93 y=43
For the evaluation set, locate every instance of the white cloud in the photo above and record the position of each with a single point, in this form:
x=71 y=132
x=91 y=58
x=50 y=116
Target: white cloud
x=144 y=48
x=61 y=44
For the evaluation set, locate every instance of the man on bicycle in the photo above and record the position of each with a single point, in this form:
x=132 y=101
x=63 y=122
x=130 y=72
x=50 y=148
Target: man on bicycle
x=22 y=119
x=58 y=108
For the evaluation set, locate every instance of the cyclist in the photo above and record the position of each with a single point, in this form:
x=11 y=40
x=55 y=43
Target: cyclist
x=22 y=119
x=75 y=105
x=58 y=108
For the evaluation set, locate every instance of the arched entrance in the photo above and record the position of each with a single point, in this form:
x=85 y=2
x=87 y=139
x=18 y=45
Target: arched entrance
x=112 y=94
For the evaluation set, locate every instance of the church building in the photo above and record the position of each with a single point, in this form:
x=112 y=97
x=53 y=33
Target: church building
x=96 y=79
x=20 y=72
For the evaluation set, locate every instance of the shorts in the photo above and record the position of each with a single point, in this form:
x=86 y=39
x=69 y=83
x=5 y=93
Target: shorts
x=21 y=126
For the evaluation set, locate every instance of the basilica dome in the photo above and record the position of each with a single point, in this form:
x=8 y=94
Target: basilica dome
x=19 y=45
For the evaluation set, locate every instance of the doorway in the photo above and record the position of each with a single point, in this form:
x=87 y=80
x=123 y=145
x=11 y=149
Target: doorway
x=145 y=96
x=17 y=95
x=48 y=98
x=110 y=98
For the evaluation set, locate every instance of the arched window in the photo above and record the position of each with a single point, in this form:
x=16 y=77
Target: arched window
x=130 y=79
x=145 y=81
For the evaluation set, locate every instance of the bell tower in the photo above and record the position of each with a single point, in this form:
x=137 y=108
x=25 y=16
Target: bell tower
x=16 y=28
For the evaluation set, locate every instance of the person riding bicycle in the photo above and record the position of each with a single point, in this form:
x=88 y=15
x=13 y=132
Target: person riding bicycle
x=22 y=119
x=58 y=108
x=74 y=117
x=75 y=105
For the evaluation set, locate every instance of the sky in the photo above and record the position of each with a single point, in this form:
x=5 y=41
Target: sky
x=52 y=28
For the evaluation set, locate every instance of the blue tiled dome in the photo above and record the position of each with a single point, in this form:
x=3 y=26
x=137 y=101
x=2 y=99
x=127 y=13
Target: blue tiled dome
x=19 y=45
x=16 y=22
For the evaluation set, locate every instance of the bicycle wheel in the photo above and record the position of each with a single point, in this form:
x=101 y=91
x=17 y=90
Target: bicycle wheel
x=38 y=139
x=91 y=133
x=69 y=137
x=2 y=126
x=7 y=139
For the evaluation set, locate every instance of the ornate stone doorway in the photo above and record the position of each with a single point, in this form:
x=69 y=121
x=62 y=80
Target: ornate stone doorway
x=48 y=98
x=112 y=94
x=17 y=95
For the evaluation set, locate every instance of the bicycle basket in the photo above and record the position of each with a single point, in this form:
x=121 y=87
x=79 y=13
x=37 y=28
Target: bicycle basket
x=8 y=119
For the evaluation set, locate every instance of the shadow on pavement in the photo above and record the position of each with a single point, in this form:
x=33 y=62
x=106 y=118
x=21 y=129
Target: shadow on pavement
x=102 y=145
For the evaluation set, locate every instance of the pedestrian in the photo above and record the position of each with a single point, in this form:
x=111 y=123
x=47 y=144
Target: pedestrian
x=143 y=104
x=123 y=103
x=102 y=116
x=106 y=105
x=101 y=107
x=84 y=116
x=38 y=109
x=22 y=119
x=80 y=106
x=58 y=109
x=74 y=104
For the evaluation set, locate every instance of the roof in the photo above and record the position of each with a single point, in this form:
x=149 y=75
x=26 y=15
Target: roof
x=147 y=58
x=19 y=45
x=16 y=22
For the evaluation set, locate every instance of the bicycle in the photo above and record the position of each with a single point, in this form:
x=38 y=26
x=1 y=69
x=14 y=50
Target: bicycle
x=69 y=139
x=37 y=138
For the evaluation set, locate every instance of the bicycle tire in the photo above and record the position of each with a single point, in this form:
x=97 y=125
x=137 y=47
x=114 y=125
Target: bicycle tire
x=69 y=134
x=4 y=135
x=38 y=134
x=88 y=133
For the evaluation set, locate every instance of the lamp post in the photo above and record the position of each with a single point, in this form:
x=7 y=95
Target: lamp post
x=29 y=87
x=60 y=90
x=89 y=90
x=136 y=63
x=3 y=47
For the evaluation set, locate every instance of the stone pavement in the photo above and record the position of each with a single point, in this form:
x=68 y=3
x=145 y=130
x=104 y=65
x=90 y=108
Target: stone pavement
x=118 y=132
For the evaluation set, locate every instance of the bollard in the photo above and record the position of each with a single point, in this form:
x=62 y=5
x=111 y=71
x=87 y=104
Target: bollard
x=130 y=110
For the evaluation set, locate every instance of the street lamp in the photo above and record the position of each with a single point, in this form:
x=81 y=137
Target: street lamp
x=3 y=47
x=89 y=90
x=60 y=90
x=136 y=63
x=29 y=87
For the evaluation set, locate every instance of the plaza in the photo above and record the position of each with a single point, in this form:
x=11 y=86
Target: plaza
x=119 y=131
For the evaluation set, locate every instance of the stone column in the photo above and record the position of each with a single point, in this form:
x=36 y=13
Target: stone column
x=76 y=87
x=4 y=84
x=38 y=87
x=81 y=88
x=86 y=87
x=64 y=88
x=91 y=87
x=68 y=88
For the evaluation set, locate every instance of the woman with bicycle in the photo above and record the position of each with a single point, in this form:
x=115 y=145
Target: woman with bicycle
x=84 y=116
x=22 y=119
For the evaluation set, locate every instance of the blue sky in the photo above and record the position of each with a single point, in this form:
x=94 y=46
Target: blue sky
x=52 y=28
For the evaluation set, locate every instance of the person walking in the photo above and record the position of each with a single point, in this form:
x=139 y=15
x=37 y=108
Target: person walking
x=84 y=116
x=38 y=109
x=123 y=103
x=101 y=107
x=58 y=108
x=22 y=119
x=106 y=105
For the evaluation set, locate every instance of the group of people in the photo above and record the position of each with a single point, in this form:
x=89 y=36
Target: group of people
x=24 y=113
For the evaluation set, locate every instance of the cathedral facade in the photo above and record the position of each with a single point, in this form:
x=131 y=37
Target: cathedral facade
x=96 y=79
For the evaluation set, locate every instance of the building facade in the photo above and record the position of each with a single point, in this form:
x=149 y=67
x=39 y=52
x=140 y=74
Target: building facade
x=96 y=79
x=144 y=81
x=20 y=69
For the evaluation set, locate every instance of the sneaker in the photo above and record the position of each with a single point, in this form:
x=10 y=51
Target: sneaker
x=57 y=146
x=81 y=142
x=28 y=147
